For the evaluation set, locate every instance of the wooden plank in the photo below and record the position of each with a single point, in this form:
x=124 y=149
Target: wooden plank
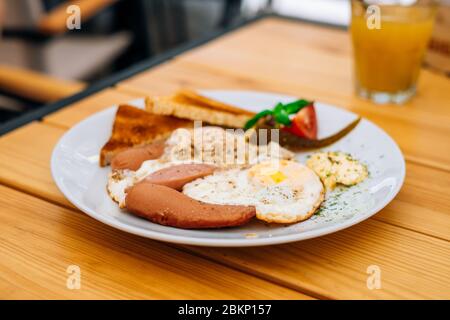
x=413 y=266
x=80 y=110
x=38 y=241
x=421 y=135
x=423 y=204
x=25 y=159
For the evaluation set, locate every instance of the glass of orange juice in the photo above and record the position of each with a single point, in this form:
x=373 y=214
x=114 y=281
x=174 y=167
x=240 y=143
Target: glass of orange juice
x=389 y=42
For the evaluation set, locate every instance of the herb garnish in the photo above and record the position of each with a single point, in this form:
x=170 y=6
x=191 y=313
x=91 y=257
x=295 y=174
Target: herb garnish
x=280 y=113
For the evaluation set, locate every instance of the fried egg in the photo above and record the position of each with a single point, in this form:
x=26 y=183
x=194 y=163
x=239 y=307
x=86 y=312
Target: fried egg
x=180 y=148
x=282 y=191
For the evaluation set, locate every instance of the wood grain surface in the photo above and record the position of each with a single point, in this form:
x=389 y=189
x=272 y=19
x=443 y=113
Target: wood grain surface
x=78 y=111
x=416 y=221
x=41 y=232
x=413 y=266
x=34 y=258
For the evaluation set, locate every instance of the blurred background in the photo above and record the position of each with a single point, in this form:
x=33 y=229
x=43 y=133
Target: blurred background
x=42 y=61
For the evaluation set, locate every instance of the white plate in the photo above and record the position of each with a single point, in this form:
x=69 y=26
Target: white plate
x=75 y=169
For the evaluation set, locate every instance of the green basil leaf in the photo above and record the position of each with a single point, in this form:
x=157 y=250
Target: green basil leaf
x=281 y=116
x=280 y=113
x=296 y=106
x=250 y=123
x=279 y=106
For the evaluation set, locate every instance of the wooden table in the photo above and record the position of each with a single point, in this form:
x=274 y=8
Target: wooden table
x=41 y=233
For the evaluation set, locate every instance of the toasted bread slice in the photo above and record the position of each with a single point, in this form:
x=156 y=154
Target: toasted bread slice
x=135 y=127
x=191 y=97
x=185 y=108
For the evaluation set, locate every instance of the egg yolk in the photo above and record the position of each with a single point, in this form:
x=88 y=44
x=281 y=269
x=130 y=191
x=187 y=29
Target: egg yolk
x=278 y=177
x=269 y=173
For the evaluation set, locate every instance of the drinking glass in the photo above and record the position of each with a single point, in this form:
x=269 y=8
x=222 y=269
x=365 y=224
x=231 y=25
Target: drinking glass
x=389 y=42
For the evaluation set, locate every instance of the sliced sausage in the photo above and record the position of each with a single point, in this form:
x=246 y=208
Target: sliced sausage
x=132 y=158
x=177 y=176
x=166 y=206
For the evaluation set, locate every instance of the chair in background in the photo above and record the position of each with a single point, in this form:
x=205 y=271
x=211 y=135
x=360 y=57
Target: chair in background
x=40 y=58
x=38 y=63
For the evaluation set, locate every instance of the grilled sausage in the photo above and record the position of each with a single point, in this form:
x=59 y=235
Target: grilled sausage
x=166 y=206
x=132 y=158
x=177 y=176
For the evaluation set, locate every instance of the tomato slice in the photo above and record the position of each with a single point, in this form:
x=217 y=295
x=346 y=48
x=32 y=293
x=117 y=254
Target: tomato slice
x=304 y=124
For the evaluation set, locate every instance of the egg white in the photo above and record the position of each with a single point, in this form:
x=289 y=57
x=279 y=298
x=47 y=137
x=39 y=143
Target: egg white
x=293 y=199
x=119 y=181
x=179 y=149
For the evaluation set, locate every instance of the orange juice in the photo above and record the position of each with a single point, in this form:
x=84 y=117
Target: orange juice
x=388 y=58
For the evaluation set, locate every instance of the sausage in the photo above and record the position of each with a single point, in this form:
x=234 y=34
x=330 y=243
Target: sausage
x=177 y=176
x=166 y=206
x=132 y=158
